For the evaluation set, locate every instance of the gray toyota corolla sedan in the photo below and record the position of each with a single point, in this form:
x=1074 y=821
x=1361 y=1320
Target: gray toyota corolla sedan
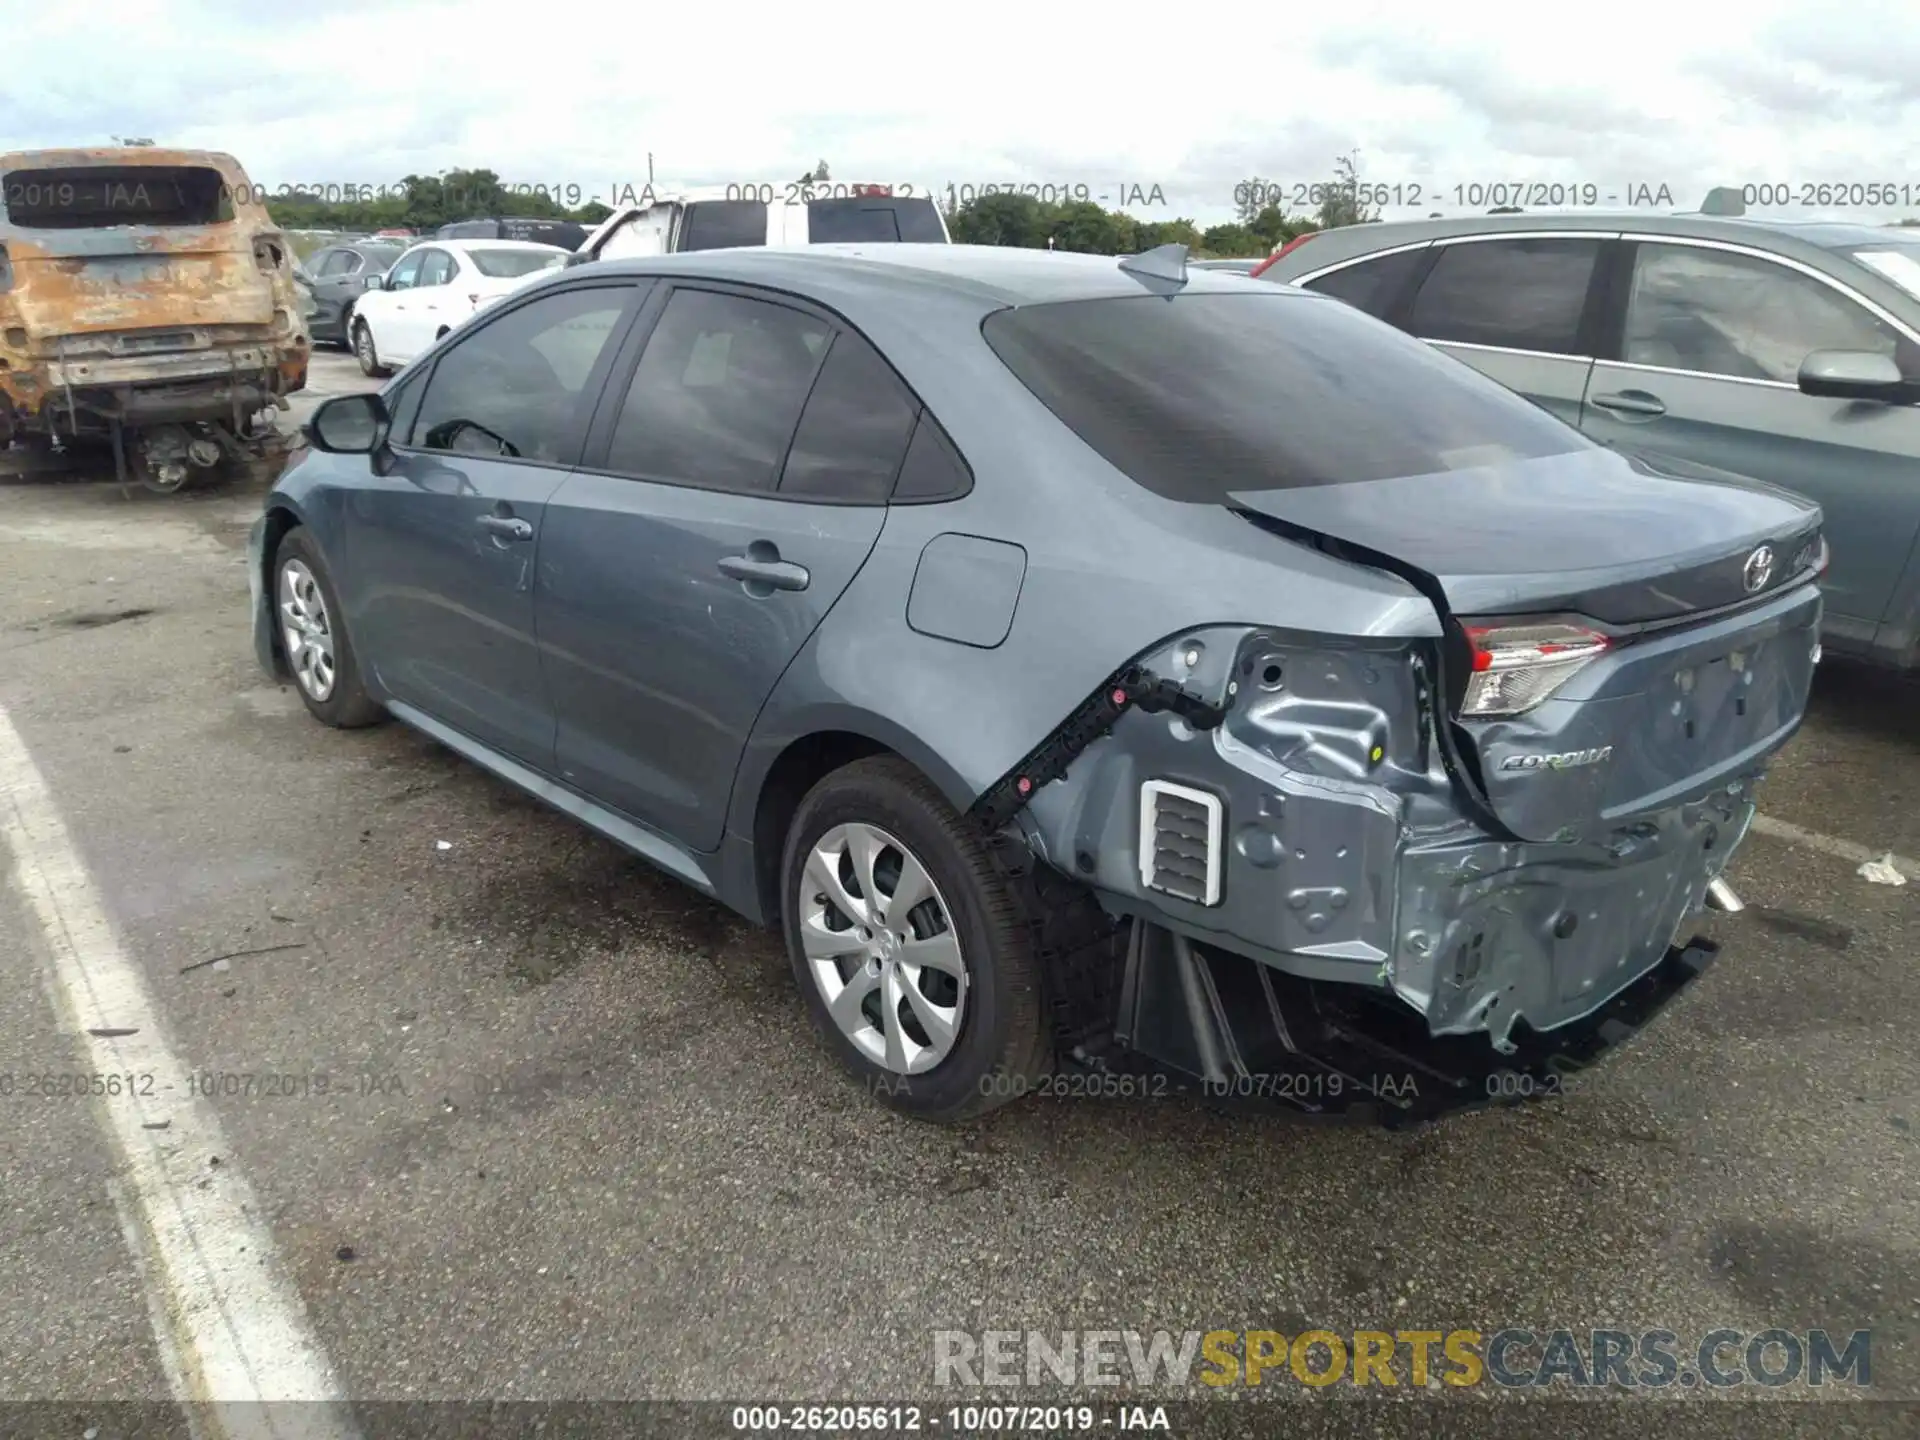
x=1093 y=667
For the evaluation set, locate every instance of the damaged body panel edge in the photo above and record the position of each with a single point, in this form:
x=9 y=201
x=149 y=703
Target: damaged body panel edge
x=1368 y=919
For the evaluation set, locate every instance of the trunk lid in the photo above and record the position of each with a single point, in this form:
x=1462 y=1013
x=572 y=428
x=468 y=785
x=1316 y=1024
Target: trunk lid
x=1593 y=532
x=136 y=278
x=1704 y=674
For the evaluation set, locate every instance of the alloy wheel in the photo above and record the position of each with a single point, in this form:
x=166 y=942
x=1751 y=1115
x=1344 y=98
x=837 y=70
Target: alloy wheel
x=306 y=630
x=880 y=943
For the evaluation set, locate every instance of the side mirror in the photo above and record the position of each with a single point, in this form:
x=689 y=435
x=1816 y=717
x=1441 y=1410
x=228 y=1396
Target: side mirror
x=375 y=281
x=1855 y=375
x=350 y=425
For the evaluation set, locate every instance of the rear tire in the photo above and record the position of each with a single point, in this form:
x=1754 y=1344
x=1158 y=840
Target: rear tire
x=958 y=951
x=310 y=629
x=364 y=351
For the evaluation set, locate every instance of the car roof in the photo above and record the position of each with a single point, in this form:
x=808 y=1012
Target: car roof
x=993 y=274
x=1826 y=234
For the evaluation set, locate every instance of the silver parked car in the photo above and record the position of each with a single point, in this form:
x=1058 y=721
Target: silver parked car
x=1787 y=352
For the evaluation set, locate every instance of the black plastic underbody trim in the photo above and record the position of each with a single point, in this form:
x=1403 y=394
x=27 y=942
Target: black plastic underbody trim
x=1133 y=688
x=1245 y=1035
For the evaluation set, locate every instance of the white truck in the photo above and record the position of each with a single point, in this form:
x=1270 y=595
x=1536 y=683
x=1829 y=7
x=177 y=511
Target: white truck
x=796 y=213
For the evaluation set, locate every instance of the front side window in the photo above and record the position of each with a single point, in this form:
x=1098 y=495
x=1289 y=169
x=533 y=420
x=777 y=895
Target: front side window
x=520 y=386
x=407 y=272
x=1722 y=313
x=717 y=393
x=1516 y=294
x=1199 y=396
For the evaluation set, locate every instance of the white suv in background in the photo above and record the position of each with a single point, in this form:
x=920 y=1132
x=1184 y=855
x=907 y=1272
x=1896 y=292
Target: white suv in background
x=718 y=217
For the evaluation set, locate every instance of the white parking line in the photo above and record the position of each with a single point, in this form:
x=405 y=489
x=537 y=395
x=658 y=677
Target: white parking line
x=240 y=1332
x=1828 y=844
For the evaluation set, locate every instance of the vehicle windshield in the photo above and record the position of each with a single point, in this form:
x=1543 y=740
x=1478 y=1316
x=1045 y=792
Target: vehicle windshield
x=505 y=264
x=97 y=197
x=1199 y=396
x=1898 y=263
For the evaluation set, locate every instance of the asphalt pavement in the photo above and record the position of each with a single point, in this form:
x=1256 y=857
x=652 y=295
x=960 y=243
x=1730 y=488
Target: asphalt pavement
x=578 y=1143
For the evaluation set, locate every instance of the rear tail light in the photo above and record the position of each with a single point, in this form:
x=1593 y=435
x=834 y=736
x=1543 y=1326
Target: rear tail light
x=872 y=189
x=1812 y=555
x=1292 y=244
x=1516 y=666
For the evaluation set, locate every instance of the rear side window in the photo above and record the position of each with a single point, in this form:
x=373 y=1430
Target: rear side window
x=717 y=392
x=933 y=469
x=505 y=264
x=1372 y=285
x=857 y=218
x=1202 y=395
x=855 y=430
x=718 y=224
x=94 y=197
x=1522 y=294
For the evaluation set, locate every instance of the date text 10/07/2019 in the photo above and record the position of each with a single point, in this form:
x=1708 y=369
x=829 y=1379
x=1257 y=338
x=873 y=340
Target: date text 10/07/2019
x=1474 y=194
x=955 y=193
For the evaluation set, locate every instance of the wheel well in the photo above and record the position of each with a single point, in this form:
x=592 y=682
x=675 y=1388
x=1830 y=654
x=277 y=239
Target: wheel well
x=799 y=767
x=279 y=521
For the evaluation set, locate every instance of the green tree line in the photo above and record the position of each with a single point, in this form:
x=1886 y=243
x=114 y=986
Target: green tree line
x=424 y=202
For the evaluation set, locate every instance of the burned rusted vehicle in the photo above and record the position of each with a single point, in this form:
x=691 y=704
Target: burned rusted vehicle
x=147 y=303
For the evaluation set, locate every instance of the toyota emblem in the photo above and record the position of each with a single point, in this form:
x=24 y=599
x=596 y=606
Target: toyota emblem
x=1758 y=569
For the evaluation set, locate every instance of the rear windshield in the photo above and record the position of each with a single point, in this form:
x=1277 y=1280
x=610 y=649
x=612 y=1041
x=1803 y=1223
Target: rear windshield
x=839 y=220
x=95 y=197
x=719 y=224
x=505 y=264
x=1198 y=396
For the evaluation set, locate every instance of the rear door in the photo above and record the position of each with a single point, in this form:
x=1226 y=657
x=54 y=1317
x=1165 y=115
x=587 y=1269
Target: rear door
x=442 y=548
x=730 y=493
x=1515 y=308
x=1711 y=338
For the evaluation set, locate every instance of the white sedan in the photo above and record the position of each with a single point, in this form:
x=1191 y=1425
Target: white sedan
x=433 y=287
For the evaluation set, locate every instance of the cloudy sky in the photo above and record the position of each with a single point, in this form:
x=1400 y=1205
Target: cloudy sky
x=1639 y=93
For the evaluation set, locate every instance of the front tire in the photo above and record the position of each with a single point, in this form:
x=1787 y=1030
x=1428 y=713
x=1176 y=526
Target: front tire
x=910 y=951
x=365 y=353
x=312 y=634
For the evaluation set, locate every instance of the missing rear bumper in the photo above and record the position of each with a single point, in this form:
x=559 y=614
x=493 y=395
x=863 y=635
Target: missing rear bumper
x=1246 y=1034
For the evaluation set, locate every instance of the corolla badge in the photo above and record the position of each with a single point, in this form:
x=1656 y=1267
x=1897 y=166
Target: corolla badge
x=1758 y=569
x=1564 y=760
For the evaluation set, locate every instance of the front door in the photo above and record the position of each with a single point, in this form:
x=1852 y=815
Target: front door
x=1709 y=358
x=444 y=546
x=724 y=505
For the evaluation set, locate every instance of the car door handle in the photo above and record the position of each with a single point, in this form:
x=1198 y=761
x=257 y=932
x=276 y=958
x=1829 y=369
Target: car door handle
x=765 y=569
x=507 y=527
x=1631 y=402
